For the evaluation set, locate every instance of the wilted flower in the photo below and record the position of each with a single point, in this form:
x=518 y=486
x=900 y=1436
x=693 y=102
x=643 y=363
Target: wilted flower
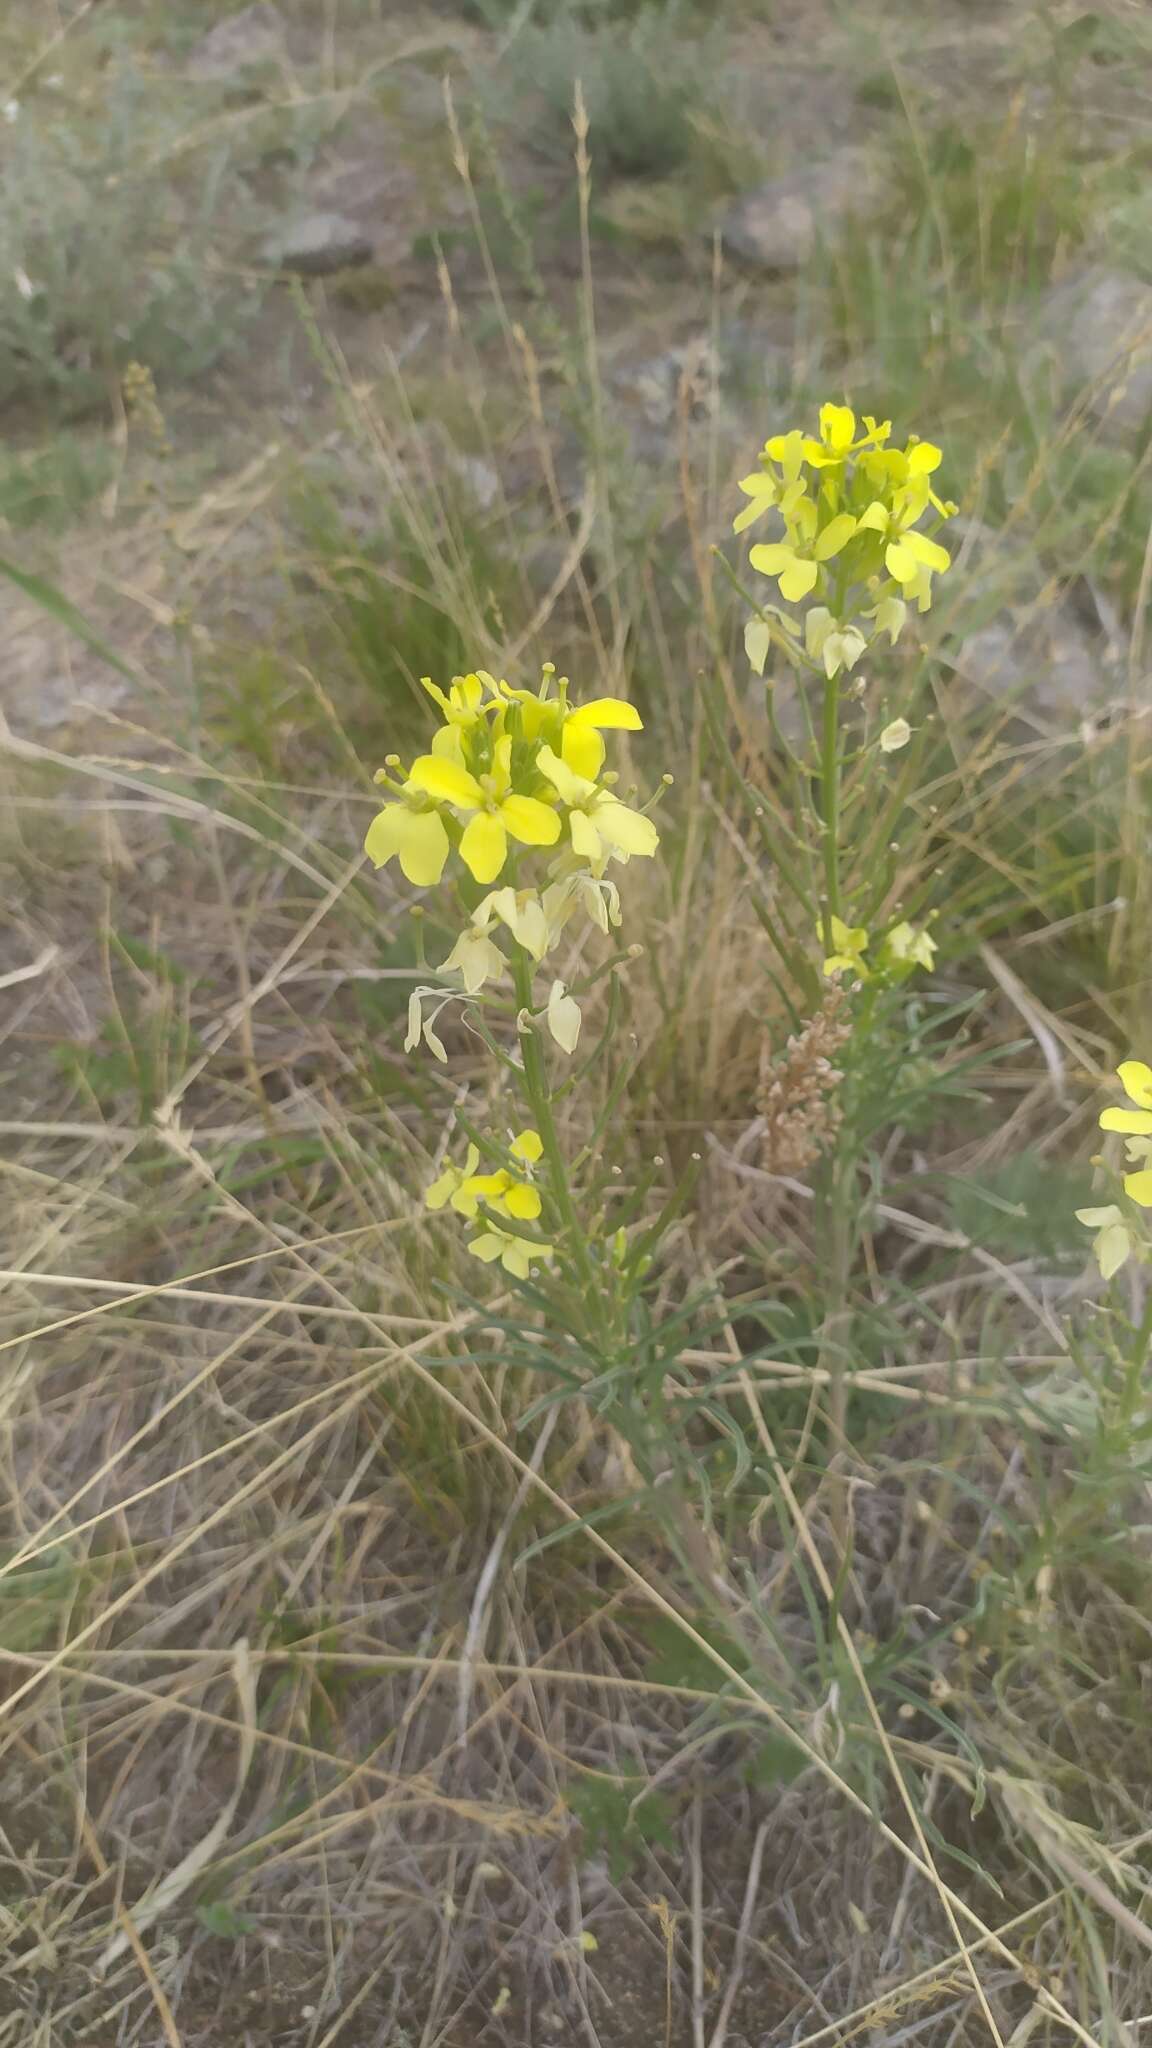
x=895 y=736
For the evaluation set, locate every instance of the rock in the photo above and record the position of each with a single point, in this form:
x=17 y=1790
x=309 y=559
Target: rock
x=1096 y=330
x=1053 y=655
x=659 y=387
x=317 y=244
x=777 y=226
x=241 y=42
x=50 y=684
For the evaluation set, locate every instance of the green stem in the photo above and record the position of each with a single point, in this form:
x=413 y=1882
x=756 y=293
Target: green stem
x=830 y=804
x=538 y=1091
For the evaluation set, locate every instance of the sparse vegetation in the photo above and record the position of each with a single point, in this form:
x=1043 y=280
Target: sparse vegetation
x=745 y=1645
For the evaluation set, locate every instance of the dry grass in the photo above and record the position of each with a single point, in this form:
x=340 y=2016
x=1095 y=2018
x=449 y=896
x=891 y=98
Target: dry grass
x=355 y=1689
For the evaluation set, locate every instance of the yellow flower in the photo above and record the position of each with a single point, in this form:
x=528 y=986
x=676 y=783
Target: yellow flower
x=476 y=959
x=907 y=947
x=1136 y=1079
x=511 y=1194
x=450 y=1185
x=1113 y=1242
x=500 y=811
x=907 y=470
x=906 y=553
x=598 y=823
x=796 y=562
x=514 y=1253
x=464 y=703
x=889 y=616
x=414 y=831
x=851 y=944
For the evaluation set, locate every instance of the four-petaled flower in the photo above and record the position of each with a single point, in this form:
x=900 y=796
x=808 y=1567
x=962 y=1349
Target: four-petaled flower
x=907 y=554
x=413 y=830
x=796 y=562
x=498 y=811
x=599 y=824
x=904 y=946
x=850 y=943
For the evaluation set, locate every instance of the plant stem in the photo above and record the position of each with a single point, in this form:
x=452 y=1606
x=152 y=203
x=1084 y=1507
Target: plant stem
x=539 y=1094
x=830 y=804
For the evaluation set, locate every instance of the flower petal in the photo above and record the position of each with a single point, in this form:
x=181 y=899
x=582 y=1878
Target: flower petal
x=757 y=642
x=418 y=837
x=836 y=535
x=837 y=426
x=523 y=1202
x=572 y=787
x=928 y=552
x=582 y=749
x=585 y=837
x=628 y=830
x=447 y=780
x=564 y=1019
x=900 y=562
x=1112 y=1248
x=529 y=1146
x=798 y=579
x=484 y=847
x=1138 y=1121
x=874 y=518
x=488 y=1246
x=611 y=714
x=1136 y=1079
x=1138 y=1187
x=770 y=557
x=531 y=822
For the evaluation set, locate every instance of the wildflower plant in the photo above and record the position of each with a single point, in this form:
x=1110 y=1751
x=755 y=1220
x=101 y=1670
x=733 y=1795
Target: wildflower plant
x=514 y=817
x=843 y=555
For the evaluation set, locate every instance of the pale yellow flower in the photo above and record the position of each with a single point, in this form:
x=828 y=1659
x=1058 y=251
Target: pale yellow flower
x=598 y=823
x=851 y=944
x=1113 y=1242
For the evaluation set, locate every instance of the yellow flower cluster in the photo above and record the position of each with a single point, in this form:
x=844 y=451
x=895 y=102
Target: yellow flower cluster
x=510 y=768
x=851 y=509
x=902 y=948
x=1115 y=1239
x=507 y=1193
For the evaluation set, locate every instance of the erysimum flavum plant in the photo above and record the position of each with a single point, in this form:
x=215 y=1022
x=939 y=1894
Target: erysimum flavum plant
x=513 y=816
x=845 y=555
